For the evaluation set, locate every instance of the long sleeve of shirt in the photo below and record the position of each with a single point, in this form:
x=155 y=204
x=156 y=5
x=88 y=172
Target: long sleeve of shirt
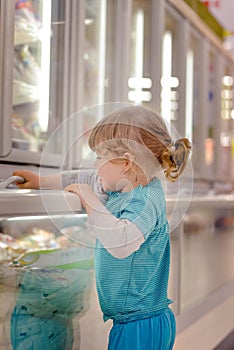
x=120 y=237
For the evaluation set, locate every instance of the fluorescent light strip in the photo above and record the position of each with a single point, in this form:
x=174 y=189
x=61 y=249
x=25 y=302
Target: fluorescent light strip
x=189 y=95
x=44 y=85
x=166 y=74
x=102 y=52
x=139 y=54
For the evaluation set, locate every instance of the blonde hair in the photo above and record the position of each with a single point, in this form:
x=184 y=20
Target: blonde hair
x=124 y=129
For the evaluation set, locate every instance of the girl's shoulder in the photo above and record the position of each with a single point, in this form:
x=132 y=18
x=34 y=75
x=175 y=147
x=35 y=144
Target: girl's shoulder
x=150 y=195
x=152 y=192
x=154 y=187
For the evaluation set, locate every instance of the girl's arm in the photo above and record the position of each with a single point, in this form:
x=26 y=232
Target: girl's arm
x=120 y=237
x=57 y=181
x=61 y=180
x=35 y=181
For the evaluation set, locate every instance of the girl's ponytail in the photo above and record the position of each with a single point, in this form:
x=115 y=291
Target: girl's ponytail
x=174 y=158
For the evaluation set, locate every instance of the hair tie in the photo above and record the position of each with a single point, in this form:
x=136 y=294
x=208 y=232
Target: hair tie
x=171 y=148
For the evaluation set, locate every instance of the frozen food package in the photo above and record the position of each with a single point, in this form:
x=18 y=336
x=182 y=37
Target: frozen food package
x=25 y=10
x=26 y=68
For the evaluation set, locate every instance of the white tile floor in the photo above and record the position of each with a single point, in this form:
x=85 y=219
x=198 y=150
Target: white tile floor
x=210 y=330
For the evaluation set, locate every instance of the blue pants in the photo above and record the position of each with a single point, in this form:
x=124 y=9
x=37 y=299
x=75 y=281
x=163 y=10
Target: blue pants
x=153 y=333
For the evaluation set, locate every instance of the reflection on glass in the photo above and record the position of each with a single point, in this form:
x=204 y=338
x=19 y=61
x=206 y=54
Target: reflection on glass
x=139 y=82
x=44 y=81
x=95 y=51
x=166 y=75
x=94 y=63
x=211 y=112
x=209 y=151
x=226 y=119
x=45 y=282
x=169 y=84
x=226 y=97
x=189 y=95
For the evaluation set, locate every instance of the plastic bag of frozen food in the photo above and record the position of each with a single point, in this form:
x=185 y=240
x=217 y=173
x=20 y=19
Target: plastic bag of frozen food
x=55 y=282
x=27 y=22
x=54 y=288
x=26 y=10
x=25 y=68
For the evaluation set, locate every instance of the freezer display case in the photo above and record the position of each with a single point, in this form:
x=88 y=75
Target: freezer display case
x=202 y=275
x=34 y=36
x=46 y=270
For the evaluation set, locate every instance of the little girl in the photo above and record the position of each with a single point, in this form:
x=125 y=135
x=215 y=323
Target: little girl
x=126 y=209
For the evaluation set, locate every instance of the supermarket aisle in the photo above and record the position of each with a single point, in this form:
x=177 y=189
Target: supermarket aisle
x=207 y=264
x=207 y=267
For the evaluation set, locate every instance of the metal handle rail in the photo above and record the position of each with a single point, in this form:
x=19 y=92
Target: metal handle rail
x=11 y=180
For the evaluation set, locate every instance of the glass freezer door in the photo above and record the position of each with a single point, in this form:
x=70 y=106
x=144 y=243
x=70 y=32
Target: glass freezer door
x=38 y=79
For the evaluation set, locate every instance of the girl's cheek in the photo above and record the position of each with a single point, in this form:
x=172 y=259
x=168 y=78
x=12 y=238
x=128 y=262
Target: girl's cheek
x=99 y=166
x=99 y=170
x=96 y=163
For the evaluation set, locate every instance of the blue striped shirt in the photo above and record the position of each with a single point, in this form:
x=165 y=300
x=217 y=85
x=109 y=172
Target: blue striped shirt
x=136 y=286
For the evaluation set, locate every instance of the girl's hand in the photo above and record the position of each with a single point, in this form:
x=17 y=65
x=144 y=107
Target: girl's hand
x=88 y=198
x=31 y=180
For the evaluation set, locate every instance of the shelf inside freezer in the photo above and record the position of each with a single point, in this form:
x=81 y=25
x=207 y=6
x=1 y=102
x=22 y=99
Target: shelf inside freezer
x=26 y=202
x=21 y=144
x=24 y=37
x=24 y=93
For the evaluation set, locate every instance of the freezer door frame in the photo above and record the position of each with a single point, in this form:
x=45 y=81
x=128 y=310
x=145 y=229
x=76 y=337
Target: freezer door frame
x=7 y=10
x=9 y=154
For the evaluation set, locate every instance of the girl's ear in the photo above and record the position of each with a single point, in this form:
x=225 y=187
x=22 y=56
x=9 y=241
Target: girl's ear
x=129 y=156
x=129 y=161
